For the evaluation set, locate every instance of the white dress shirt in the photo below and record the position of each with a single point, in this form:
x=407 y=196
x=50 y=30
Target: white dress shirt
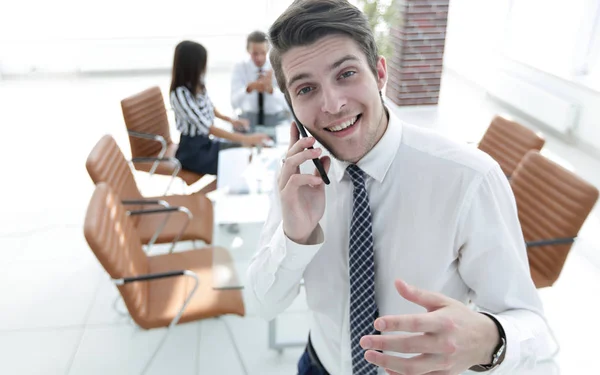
x=243 y=74
x=444 y=219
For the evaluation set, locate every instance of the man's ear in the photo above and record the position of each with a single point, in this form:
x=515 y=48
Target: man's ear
x=381 y=72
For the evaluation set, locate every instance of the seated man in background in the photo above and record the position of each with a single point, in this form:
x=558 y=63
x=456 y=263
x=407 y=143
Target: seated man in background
x=254 y=92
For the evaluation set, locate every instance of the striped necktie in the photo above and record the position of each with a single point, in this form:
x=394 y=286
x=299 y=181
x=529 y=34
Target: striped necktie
x=363 y=307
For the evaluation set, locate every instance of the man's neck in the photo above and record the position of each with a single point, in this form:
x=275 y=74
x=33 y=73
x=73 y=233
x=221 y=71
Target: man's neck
x=258 y=67
x=383 y=124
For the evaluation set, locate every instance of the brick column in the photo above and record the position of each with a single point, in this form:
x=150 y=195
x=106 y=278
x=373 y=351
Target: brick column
x=418 y=39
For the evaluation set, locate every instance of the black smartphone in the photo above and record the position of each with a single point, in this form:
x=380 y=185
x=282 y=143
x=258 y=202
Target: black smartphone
x=303 y=134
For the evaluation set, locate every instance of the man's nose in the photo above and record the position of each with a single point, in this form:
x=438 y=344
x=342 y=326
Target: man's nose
x=332 y=99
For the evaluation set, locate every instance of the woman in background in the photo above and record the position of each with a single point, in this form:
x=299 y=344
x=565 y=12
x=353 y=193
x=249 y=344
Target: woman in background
x=195 y=115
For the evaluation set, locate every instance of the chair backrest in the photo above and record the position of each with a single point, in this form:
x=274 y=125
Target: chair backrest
x=106 y=163
x=552 y=202
x=145 y=112
x=507 y=142
x=113 y=238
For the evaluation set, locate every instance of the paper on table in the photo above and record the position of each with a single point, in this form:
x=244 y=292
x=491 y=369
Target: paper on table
x=232 y=164
x=251 y=208
x=282 y=132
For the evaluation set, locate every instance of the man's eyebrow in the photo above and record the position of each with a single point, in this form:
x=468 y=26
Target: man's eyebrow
x=298 y=77
x=337 y=64
x=333 y=66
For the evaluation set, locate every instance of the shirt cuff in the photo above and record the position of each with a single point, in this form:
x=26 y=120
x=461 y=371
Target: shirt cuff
x=292 y=255
x=513 y=357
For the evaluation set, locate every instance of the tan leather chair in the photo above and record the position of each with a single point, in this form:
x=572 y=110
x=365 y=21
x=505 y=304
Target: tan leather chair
x=152 y=149
x=508 y=141
x=553 y=204
x=158 y=291
x=106 y=163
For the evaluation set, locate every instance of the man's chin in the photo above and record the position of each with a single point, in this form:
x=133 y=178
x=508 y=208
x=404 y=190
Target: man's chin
x=340 y=155
x=345 y=156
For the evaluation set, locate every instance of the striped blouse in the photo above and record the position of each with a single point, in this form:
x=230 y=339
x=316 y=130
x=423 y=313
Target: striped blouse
x=193 y=115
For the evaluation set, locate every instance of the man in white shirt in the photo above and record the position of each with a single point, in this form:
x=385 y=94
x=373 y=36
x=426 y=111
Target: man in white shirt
x=254 y=91
x=412 y=228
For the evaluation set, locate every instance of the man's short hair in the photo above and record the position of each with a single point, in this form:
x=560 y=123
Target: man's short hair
x=256 y=37
x=306 y=21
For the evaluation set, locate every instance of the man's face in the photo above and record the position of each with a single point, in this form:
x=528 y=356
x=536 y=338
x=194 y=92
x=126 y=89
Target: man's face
x=336 y=96
x=258 y=53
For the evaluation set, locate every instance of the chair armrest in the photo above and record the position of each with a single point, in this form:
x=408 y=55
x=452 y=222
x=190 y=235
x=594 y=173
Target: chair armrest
x=152 y=137
x=155 y=210
x=162 y=275
x=150 y=159
x=148 y=277
x=145 y=201
x=160 y=160
x=169 y=209
x=552 y=241
x=148 y=136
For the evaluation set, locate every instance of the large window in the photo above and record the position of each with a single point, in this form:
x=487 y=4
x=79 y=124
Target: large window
x=589 y=67
x=555 y=36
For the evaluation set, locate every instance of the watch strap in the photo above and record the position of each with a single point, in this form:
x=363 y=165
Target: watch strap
x=499 y=352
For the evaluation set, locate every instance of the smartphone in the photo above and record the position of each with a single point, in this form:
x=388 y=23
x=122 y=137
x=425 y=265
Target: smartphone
x=303 y=134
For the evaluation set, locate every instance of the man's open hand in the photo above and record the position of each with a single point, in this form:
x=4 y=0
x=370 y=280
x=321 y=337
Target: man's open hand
x=449 y=338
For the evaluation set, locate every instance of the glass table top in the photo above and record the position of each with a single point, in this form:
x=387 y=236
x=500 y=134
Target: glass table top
x=241 y=203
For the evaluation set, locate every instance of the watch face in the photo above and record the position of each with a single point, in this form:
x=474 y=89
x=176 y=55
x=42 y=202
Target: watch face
x=499 y=351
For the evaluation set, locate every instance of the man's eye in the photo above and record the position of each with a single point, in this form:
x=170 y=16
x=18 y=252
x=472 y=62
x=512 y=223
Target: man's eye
x=348 y=74
x=305 y=90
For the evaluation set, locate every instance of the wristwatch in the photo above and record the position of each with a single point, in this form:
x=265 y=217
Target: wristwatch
x=499 y=352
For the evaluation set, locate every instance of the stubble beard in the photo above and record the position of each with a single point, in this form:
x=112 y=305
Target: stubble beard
x=366 y=143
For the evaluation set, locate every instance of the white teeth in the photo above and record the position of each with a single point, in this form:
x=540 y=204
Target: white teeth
x=343 y=126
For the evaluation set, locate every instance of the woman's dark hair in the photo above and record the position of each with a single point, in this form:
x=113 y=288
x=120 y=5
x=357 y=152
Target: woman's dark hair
x=189 y=63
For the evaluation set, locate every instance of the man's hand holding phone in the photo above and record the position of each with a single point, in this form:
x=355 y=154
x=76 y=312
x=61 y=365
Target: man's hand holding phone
x=302 y=195
x=263 y=84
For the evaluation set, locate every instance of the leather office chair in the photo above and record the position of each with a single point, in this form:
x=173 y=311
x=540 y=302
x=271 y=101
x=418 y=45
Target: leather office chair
x=158 y=291
x=152 y=149
x=106 y=163
x=508 y=141
x=552 y=204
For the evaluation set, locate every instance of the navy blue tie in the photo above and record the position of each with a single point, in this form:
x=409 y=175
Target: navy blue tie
x=363 y=307
x=261 y=99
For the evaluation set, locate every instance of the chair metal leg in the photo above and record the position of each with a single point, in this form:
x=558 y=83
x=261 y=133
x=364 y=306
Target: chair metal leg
x=173 y=175
x=115 y=302
x=183 y=187
x=159 y=229
x=279 y=346
x=174 y=321
x=183 y=228
x=237 y=349
x=160 y=344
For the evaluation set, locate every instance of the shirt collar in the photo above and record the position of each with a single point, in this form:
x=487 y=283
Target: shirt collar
x=266 y=66
x=376 y=162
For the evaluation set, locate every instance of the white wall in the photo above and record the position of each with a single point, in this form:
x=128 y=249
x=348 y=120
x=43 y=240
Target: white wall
x=484 y=39
x=65 y=36
x=474 y=33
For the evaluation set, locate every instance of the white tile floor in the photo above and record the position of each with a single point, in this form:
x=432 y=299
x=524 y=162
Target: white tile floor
x=58 y=315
